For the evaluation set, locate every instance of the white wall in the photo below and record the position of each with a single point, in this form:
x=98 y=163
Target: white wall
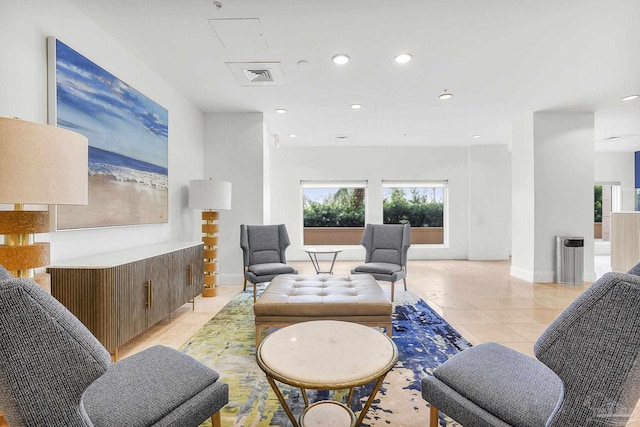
x=489 y=202
x=24 y=27
x=618 y=167
x=564 y=169
x=234 y=152
x=290 y=165
x=553 y=175
x=522 y=198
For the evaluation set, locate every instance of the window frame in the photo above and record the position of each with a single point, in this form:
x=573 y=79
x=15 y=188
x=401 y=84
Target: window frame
x=407 y=184
x=337 y=184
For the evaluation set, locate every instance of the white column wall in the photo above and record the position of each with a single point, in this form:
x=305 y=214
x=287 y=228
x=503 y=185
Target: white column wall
x=234 y=152
x=523 y=199
x=489 y=194
x=563 y=179
x=24 y=27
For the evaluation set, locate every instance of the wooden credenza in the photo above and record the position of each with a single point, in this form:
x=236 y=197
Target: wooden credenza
x=121 y=294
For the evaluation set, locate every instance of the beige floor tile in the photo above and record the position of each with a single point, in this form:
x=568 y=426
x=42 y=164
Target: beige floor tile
x=467 y=316
x=494 y=332
x=505 y=303
x=560 y=302
x=479 y=298
x=531 y=331
x=545 y=316
x=509 y=316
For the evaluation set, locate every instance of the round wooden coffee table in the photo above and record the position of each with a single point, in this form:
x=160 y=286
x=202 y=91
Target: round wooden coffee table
x=326 y=355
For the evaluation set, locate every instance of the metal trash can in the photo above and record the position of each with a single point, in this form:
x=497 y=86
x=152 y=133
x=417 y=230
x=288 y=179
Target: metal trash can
x=569 y=260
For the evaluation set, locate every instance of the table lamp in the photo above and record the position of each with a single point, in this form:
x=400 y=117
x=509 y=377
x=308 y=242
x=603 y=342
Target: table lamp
x=39 y=165
x=211 y=196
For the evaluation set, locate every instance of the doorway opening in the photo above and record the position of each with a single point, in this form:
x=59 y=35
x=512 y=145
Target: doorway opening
x=607 y=199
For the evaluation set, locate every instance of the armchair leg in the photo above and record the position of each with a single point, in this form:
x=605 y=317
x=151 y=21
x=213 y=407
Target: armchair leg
x=244 y=288
x=215 y=420
x=405 y=283
x=393 y=289
x=433 y=416
x=255 y=287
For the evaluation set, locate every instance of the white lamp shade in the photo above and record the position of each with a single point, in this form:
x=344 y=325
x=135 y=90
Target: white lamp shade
x=42 y=164
x=209 y=194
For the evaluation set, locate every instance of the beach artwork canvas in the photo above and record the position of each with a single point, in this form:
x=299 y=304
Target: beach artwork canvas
x=128 y=144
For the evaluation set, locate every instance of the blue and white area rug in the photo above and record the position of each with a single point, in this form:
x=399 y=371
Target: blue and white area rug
x=227 y=344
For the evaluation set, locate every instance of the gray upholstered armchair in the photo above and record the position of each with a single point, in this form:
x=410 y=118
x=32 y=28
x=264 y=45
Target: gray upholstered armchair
x=586 y=371
x=386 y=247
x=263 y=250
x=53 y=372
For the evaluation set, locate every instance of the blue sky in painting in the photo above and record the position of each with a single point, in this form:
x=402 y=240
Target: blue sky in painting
x=110 y=113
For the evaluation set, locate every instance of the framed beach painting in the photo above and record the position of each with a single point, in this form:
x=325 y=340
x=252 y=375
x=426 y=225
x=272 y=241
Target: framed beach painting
x=128 y=143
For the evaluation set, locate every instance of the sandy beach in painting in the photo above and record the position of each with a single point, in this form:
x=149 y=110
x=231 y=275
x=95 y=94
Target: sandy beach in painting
x=114 y=203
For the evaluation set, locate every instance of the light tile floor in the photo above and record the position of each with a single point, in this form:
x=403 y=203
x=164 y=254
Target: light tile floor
x=479 y=298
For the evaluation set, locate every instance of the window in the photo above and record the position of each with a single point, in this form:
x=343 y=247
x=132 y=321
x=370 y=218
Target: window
x=421 y=204
x=333 y=213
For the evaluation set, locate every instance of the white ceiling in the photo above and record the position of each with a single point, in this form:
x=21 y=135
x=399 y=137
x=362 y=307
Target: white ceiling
x=500 y=58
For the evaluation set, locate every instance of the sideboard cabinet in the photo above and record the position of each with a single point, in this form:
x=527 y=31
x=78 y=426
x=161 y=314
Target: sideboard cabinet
x=121 y=294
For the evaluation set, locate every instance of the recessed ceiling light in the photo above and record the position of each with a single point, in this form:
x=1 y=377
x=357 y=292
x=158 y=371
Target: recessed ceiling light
x=340 y=58
x=280 y=110
x=475 y=136
x=403 y=58
x=630 y=97
x=356 y=106
x=446 y=95
x=292 y=135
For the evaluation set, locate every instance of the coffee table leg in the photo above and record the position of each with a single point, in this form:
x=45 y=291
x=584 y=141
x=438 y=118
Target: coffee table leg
x=314 y=261
x=280 y=397
x=304 y=396
x=367 y=405
x=333 y=262
x=350 y=396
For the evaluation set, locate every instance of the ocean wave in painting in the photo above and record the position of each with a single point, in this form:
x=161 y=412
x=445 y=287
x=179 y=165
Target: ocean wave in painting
x=126 y=169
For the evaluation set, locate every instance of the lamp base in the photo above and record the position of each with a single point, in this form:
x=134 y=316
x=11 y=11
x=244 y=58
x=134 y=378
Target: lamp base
x=210 y=292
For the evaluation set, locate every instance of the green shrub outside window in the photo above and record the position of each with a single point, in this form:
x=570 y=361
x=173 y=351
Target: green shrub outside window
x=418 y=206
x=333 y=207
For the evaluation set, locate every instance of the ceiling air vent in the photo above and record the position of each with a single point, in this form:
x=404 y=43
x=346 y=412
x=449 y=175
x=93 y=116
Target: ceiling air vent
x=257 y=73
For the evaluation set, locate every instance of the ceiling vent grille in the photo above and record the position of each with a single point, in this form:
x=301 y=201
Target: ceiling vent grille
x=257 y=73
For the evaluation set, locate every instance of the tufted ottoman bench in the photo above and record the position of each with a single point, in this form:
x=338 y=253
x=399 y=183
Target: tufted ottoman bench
x=292 y=298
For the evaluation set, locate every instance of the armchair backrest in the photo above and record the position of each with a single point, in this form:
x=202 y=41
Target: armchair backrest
x=387 y=243
x=594 y=347
x=635 y=270
x=262 y=244
x=4 y=274
x=47 y=357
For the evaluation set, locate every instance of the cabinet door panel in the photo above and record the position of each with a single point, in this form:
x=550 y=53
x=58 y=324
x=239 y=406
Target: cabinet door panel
x=158 y=289
x=179 y=279
x=131 y=297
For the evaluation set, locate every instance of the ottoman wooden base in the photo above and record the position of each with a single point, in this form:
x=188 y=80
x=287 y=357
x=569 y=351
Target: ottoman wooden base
x=292 y=298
